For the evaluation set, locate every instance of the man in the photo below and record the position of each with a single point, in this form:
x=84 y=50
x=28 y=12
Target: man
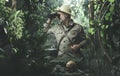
x=69 y=35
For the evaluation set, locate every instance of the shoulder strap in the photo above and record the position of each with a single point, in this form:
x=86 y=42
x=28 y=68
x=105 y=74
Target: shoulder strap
x=60 y=41
x=65 y=35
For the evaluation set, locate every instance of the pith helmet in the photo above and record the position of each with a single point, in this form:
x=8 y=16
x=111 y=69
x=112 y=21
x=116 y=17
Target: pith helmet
x=65 y=9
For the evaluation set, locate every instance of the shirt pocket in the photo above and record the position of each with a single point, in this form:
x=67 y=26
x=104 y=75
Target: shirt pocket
x=73 y=33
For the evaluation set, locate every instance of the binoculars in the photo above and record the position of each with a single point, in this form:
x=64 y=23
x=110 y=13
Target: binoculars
x=53 y=15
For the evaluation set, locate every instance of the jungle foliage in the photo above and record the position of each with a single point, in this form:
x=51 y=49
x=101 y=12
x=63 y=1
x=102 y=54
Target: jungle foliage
x=22 y=36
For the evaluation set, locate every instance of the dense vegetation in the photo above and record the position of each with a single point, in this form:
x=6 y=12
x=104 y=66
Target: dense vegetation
x=22 y=36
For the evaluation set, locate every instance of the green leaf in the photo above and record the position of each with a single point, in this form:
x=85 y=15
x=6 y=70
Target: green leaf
x=106 y=26
x=101 y=33
x=112 y=8
x=91 y=31
x=111 y=1
x=15 y=50
x=107 y=16
x=91 y=22
x=103 y=26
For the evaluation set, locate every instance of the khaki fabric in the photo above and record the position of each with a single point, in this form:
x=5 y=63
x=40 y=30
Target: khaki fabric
x=76 y=35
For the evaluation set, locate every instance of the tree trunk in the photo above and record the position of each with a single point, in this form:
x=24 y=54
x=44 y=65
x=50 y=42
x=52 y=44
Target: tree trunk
x=91 y=10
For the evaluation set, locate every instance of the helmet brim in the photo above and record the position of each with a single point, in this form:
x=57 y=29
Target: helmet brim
x=59 y=10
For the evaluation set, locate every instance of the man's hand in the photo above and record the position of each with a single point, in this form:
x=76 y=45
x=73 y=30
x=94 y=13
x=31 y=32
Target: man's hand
x=49 y=21
x=47 y=25
x=75 y=47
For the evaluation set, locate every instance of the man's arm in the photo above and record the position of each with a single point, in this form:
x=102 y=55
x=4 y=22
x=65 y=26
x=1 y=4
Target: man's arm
x=47 y=24
x=82 y=40
x=75 y=47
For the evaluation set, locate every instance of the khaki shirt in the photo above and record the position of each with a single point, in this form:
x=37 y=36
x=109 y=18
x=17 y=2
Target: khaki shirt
x=76 y=35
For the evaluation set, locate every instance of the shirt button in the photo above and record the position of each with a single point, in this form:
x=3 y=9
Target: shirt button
x=64 y=41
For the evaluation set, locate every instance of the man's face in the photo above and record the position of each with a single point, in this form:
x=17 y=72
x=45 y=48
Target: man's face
x=63 y=16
